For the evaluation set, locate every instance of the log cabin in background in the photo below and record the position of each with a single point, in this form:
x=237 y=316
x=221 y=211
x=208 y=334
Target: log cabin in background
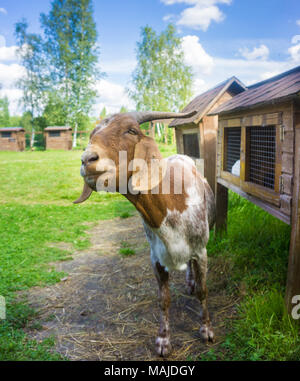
x=258 y=157
x=58 y=137
x=12 y=139
x=196 y=136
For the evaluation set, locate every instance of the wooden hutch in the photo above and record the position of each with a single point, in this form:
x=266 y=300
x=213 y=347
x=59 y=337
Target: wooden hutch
x=258 y=157
x=196 y=136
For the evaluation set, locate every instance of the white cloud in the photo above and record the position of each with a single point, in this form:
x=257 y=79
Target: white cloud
x=8 y=53
x=2 y=41
x=195 y=56
x=9 y=74
x=112 y=96
x=199 y=17
x=3 y=10
x=294 y=50
x=262 y=53
x=296 y=39
x=298 y=22
x=201 y=14
x=295 y=53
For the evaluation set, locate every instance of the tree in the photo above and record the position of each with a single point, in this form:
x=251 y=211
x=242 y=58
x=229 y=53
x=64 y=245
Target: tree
x=161 y=80
x=4 y=112
x=123 y=109
x=33 y=83
x=72 y=53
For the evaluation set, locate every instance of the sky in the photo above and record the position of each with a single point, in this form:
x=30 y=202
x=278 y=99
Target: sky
x=250 y=39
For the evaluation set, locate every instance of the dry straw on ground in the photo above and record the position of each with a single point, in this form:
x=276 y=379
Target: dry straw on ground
x=107 y=307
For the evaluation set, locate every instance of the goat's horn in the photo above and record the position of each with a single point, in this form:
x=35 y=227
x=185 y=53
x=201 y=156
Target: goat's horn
x=87 y=191
x=148 y=116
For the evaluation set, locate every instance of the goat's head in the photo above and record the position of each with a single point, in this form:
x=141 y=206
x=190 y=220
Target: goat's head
x=101 y=162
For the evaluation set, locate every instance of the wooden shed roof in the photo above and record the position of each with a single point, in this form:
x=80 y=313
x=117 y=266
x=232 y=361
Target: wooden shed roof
x=204 y=102
x=58 y=128
x=275 y=89
x=11 y=129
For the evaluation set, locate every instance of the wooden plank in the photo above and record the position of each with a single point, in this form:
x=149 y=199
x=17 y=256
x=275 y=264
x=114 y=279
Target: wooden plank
x=243 y=154
x=221 y=209
x=287 y=163
x=222 y=123
x=285 y=204
x=231 y=178
x=261 y=192
x=288 y=142
x=271 y=209
x=210 y=129
x=284 y=107
x=287 y=184
x=293 y=276
x=234 y=122
x=278 y=159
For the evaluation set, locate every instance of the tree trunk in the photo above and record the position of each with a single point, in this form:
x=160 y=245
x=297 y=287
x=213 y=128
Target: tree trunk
x=75 y=136
x=32 y=138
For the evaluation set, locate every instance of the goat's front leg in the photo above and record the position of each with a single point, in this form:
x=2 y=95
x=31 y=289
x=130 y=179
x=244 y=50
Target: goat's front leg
x=200 y=270
x=163 y=345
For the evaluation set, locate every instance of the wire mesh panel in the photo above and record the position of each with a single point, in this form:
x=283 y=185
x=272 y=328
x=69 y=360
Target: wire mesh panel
x=233 y=147
x=262 y=147
x=191 y=145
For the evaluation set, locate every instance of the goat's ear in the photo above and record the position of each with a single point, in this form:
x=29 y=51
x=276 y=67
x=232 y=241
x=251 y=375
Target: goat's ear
x=86 y=192
x=147 y=166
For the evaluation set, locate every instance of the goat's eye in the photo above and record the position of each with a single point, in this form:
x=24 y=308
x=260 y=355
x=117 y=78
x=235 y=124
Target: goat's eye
x=132 y=131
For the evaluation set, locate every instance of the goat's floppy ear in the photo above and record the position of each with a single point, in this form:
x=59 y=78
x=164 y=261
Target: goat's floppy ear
x=86 y=192
x=147 y=166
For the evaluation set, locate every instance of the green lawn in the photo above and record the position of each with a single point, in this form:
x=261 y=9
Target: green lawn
x=36 y=194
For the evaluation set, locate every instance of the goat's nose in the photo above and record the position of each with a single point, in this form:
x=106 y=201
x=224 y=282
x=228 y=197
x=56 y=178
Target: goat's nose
x=89 y=157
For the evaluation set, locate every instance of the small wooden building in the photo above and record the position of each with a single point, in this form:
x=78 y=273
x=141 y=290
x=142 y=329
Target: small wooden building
x=58 y=137
x=258 y=156
x=12 y=139
x=196 y=136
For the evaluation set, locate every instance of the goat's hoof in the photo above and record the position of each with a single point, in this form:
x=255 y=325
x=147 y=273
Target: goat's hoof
x=190 y=286
x=163 y=346
x=206 y=334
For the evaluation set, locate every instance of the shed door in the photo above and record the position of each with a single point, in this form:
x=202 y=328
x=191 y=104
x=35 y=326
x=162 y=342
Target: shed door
x=191 y=145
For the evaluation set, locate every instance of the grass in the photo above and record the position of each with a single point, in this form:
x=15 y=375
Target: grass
x=256 y=251
x=36 y=210
x=126 y=250
x=36 y=193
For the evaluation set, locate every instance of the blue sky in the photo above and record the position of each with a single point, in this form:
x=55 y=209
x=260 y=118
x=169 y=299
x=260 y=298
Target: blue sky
x=251 y=39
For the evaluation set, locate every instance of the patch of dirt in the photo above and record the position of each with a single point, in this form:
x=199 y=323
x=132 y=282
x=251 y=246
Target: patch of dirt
x=107 y=307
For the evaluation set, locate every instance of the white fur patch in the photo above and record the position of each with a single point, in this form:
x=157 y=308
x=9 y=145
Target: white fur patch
x=181 y=236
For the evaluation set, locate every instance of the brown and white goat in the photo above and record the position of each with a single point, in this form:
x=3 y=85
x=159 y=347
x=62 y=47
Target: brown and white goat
x=177 y=224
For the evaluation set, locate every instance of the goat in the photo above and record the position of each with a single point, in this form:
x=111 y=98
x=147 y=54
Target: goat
x=176 y=224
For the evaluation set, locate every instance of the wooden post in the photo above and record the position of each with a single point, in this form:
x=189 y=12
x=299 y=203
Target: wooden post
x=221 y=209
x=293 y=276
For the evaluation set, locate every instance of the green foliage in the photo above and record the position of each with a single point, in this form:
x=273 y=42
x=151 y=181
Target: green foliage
x=72 y=54
x=161 y=80
x=263 y=330
x=126 y=250
x=256 y=247
x=31 y=54
x=4 y=113
x=15 y=121
x=257 y=244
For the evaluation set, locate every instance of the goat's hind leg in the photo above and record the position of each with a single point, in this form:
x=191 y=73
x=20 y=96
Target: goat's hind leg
x=163 y=345
x=190 y=279
x=200 y=270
